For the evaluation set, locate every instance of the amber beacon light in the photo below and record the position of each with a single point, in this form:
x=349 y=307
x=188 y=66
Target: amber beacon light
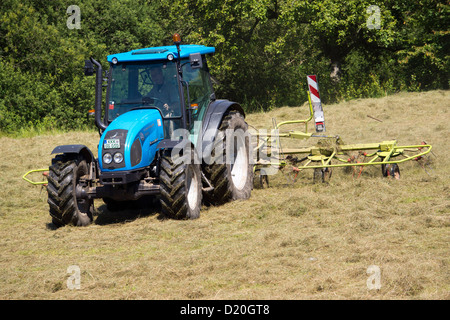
x=176 y=38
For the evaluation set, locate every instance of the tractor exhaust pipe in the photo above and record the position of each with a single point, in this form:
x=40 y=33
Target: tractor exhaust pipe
x=98 y=96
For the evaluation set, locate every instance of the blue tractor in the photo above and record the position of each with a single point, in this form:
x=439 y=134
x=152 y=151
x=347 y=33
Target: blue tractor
x=164 y=134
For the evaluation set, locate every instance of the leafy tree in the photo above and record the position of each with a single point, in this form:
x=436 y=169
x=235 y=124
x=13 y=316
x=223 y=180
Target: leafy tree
x=264 y=50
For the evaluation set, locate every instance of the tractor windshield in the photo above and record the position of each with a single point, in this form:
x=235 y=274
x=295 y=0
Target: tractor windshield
x=144 y=84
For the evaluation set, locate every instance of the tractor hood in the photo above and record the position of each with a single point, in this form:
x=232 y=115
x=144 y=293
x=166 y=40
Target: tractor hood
x=130 y=141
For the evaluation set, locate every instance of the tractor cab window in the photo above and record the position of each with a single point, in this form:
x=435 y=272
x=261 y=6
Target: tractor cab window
x=134 y=85
x=200 y=90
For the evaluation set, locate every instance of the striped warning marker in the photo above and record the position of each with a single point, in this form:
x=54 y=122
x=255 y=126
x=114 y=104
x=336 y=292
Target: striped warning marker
x=316 y=103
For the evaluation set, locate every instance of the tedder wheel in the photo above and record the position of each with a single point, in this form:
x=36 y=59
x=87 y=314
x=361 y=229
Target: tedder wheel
x=390 y=170
x=231 y=173
x=181 y=186
x=322 y=174
x=65 y=208
x=261 y=179
x=264 y=181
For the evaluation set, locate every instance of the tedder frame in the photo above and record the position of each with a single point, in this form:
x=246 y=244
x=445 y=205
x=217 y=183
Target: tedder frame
x=328 y=153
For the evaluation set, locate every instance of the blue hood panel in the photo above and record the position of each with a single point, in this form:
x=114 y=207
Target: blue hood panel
x=144 y=125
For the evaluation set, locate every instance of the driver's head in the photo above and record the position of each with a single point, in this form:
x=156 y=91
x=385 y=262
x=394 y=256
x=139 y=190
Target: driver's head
x=157 y=75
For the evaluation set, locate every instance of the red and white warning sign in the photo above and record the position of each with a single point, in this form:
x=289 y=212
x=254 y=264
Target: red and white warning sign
x=316 y=103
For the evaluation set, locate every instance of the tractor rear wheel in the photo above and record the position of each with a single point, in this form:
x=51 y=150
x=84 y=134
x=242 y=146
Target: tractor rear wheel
x=181 y=187
x=63 y=178
x=231 y=173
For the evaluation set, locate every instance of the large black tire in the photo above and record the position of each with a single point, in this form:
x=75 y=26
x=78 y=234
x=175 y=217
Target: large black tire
x=231 y=181
x=181 y=187
x=65 y=208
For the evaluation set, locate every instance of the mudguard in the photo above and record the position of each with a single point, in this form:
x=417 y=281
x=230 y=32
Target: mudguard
x=75 y=149
x=213 y=119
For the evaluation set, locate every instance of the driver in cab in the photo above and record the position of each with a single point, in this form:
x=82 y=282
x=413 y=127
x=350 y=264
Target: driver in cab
x=160 y=92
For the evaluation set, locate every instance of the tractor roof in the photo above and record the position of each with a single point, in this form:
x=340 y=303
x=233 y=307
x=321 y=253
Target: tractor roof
x=160 y=53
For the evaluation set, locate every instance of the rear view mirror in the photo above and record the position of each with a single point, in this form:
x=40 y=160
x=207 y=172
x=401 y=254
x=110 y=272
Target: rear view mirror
x=88 y=68
x=196 y=60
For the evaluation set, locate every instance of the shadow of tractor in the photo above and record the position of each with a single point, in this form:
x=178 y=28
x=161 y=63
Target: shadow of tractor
x=111 y=212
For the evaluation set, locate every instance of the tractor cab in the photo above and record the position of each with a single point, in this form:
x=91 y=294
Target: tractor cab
x=176 y=83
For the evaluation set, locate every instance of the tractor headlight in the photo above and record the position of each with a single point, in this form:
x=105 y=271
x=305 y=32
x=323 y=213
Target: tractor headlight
x=107 y=158
x=114 y=60
x=118 y=157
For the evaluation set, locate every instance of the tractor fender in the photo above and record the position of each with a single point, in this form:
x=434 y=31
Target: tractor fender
x=75 y=149
x=213 y=119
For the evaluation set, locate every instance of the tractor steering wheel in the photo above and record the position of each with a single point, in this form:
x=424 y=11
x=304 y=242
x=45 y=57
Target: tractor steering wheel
x=148 y=100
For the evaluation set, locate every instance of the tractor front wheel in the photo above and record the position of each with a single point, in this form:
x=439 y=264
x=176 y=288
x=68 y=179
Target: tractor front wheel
x=63 y=178
x=181 y=187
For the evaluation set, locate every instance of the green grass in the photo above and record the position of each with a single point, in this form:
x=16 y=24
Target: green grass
x=294 y=240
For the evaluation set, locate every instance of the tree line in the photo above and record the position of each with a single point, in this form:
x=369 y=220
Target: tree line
x=264 y=50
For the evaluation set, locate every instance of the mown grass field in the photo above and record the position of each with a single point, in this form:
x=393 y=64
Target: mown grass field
x=291 y=241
